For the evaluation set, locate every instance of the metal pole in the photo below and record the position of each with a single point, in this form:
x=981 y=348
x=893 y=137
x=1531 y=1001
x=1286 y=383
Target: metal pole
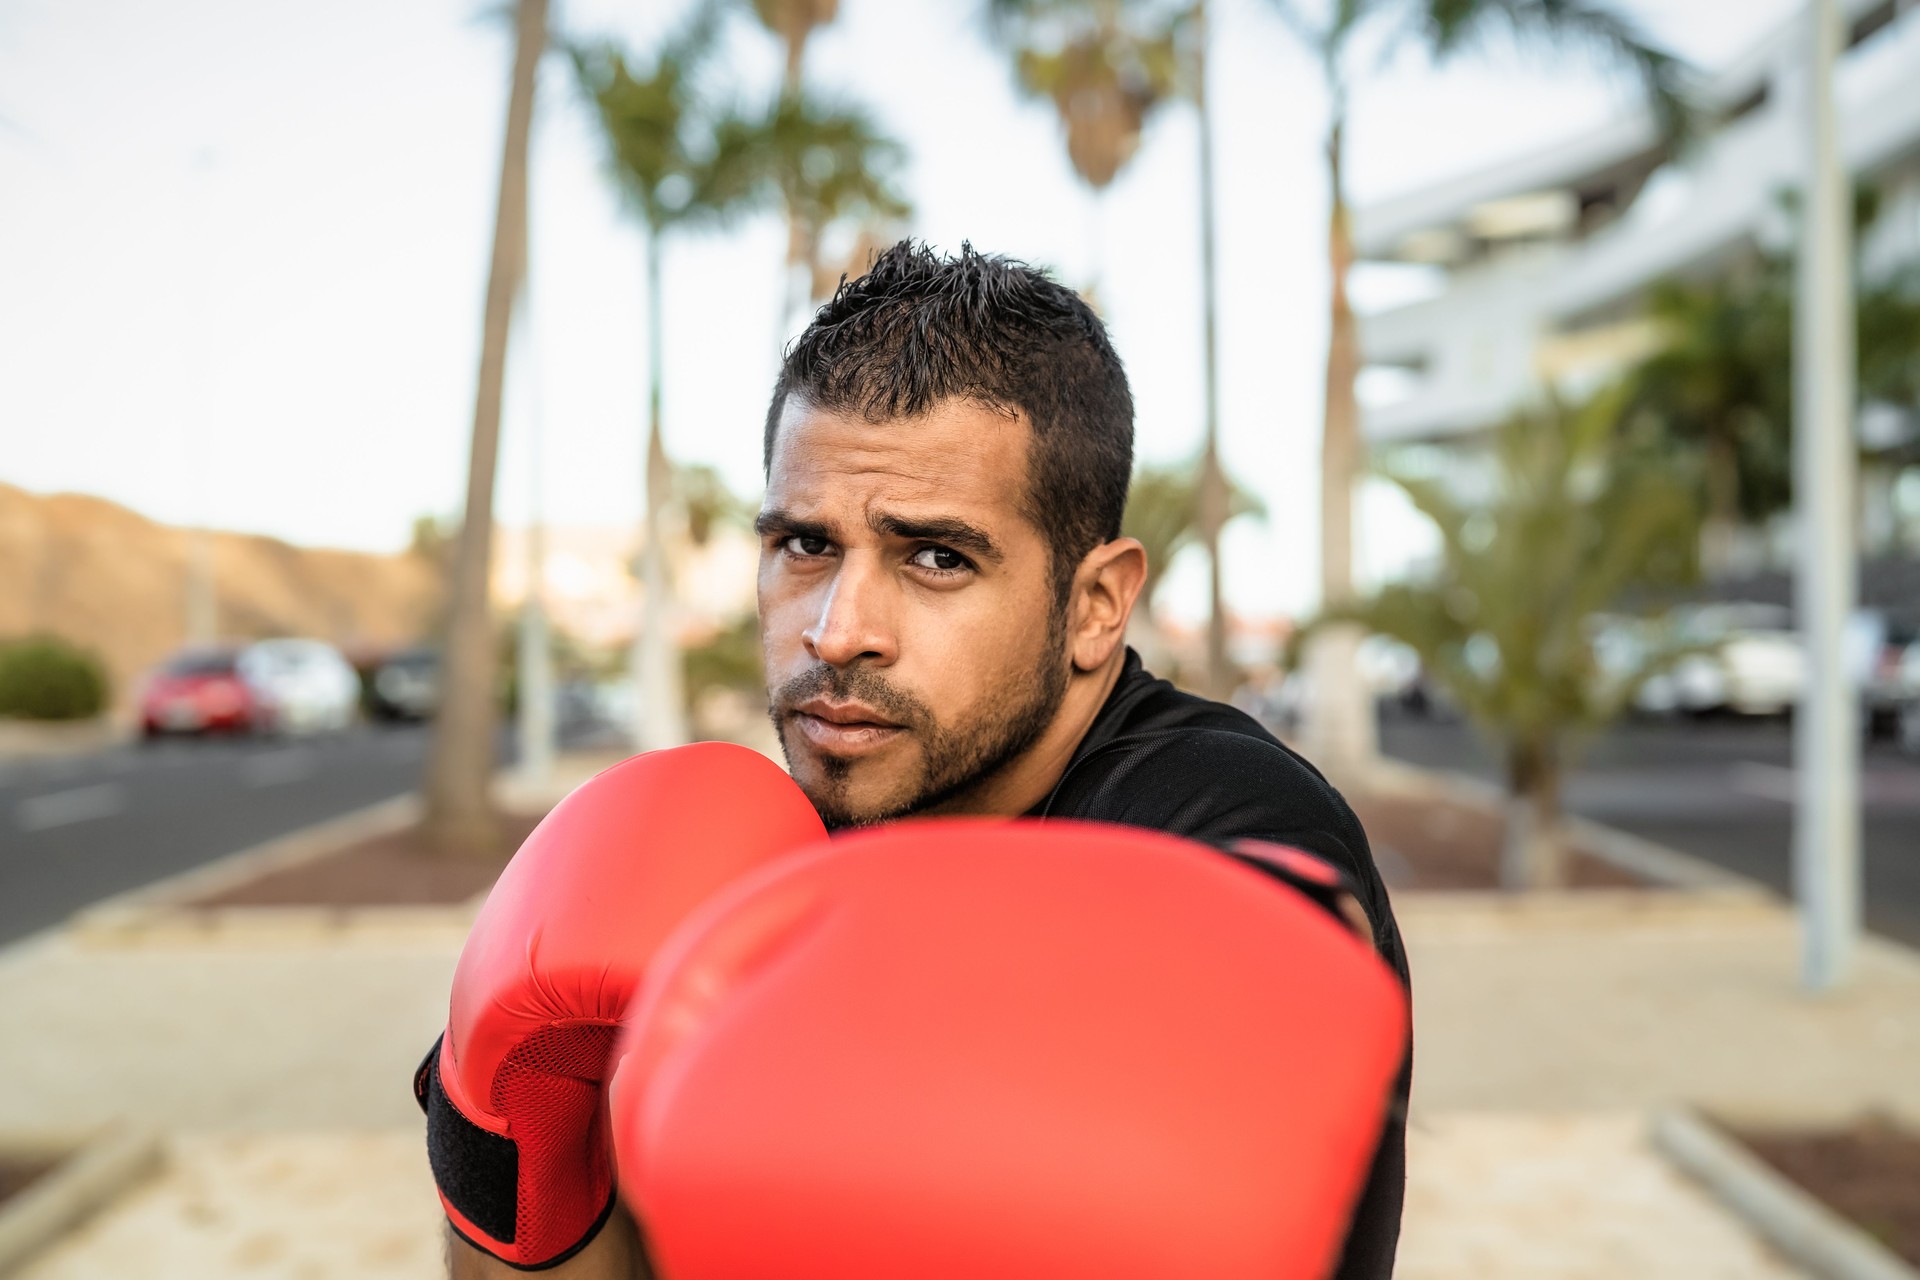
x=1826 y=730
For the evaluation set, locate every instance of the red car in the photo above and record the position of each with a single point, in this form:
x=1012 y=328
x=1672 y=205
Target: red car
x=198 y=691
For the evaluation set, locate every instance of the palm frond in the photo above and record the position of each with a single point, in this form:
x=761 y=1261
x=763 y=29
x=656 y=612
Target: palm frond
x=1592 y=26
x=1577 y=521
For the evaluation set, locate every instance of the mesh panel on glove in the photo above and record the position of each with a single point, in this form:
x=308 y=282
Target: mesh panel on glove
x=550 y=1092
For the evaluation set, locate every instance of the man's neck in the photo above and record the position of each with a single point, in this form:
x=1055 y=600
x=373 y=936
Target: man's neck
x=1027 y=779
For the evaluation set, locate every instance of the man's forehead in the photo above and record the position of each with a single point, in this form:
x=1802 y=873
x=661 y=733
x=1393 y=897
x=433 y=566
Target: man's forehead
x=959 y=451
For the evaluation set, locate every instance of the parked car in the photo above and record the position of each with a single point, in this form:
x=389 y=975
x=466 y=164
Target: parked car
x=1757 y=668
x=1882 y=649
x=405 y=685
x=300 y=686
x=199 y=691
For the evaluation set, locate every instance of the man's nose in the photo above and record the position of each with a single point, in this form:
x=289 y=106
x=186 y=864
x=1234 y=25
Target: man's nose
x=854 y=621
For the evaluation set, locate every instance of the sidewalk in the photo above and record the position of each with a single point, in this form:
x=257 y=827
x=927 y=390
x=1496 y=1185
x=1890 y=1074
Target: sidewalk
x=1490 y=1198
x=1545 y=1030
x=1538 y=1007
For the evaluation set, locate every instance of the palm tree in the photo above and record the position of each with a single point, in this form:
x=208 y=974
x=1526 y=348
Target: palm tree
x=681 y=165
x=1106 y=65
x=1719 y=386
x=1581 y=520
x=1340 y=720
x=459 y=807
x=793 y=22
x=830 y=164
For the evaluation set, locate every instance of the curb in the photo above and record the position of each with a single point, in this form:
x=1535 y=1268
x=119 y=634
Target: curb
x=75 y=1189
x=1653 y=862
x=27 y=740
x=163 y=914
x=1472 y=912
x=1789 y=1219
x=161 y=908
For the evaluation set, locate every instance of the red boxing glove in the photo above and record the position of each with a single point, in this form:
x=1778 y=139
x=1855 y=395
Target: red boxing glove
x=952 y=1050
x=516 y=1111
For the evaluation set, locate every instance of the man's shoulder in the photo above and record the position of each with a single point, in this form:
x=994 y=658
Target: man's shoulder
x=1210 y=773
x=1154 y=742
x=1195 y=776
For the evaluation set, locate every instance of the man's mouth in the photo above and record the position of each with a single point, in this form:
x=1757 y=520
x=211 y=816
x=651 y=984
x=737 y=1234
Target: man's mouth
x=843 y=728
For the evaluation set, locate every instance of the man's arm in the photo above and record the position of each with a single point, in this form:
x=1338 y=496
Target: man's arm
x=614 y=1254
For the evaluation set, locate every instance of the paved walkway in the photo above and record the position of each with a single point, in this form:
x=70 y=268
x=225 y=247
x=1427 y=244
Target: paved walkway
x=334 y=1206
x=1491 y=1197
x=1562 y=1197
x=249 y=1037
x=1545 y=1030
x=1538 y=1008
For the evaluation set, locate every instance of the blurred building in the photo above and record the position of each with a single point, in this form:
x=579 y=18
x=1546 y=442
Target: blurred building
x=1539 y=266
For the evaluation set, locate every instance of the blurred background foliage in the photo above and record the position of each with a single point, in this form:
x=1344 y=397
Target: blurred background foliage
x=47 y=678
x=1718 y=386
x=1582 y=515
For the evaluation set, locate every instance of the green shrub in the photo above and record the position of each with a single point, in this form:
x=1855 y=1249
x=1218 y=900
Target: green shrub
x=45 y=678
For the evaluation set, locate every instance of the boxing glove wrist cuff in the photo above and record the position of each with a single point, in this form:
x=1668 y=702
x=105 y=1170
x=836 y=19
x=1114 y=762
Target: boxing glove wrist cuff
x=478 y=1175
x=1316 y=879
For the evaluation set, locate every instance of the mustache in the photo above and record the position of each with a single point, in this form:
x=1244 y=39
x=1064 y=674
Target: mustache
x=857 y=684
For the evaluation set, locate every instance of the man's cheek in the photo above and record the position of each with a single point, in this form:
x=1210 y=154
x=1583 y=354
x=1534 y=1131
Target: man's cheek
x=780 y=646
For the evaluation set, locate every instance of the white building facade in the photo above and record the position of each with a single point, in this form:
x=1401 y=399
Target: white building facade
x=1543 y=263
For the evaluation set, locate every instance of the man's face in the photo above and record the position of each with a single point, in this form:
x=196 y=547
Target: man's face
x=908 y=619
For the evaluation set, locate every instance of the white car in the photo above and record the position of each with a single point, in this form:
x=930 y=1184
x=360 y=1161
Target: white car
x=300 y=686
x=1758 y=669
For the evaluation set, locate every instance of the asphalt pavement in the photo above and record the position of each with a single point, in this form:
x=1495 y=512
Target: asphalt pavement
x=1721 y=789
x=76 y=829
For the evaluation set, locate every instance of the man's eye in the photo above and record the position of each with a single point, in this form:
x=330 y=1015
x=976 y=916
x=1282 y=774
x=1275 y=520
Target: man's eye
x=802 y=545
x=939 y=559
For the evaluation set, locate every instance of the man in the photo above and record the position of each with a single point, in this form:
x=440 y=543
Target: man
x=944 y=595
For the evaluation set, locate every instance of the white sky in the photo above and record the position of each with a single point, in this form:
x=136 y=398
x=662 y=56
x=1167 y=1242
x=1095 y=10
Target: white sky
x=243 y=247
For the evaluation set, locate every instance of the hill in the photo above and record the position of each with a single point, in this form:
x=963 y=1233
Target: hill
x=110 y=579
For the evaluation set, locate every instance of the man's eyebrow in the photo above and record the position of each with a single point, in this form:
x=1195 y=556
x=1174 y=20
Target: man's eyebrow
x=944 y=530
x=787 y=525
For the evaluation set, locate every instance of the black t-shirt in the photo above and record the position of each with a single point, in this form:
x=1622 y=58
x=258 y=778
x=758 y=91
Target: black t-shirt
x=1159 y=758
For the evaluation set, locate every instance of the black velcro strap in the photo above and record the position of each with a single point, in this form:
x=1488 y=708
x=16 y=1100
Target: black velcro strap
x=477 y=1171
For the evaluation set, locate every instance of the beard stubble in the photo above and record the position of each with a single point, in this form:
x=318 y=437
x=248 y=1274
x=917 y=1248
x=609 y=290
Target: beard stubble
x=954 y=759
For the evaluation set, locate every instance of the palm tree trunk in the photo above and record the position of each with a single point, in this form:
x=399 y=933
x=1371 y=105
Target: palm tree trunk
x=1096 y=243
x=459 y=773
x=802 y=240
x=1213 y=484
x=659 y=717
x=1340 y=728
x=796 y=60
x=1532 y=851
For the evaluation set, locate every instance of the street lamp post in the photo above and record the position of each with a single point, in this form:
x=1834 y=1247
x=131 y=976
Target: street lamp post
x=1826 y=730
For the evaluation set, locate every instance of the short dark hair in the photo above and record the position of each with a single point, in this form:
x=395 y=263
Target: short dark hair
x=919 y=328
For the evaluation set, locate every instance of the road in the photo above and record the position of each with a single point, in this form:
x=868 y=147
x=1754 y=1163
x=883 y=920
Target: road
x=1719 y=789
x=77 y=829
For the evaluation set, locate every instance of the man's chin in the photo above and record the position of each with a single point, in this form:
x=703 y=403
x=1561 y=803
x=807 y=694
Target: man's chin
x=851 y=790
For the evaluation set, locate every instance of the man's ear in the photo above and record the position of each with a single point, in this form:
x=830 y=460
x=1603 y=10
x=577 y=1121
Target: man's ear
x=1105 y=587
